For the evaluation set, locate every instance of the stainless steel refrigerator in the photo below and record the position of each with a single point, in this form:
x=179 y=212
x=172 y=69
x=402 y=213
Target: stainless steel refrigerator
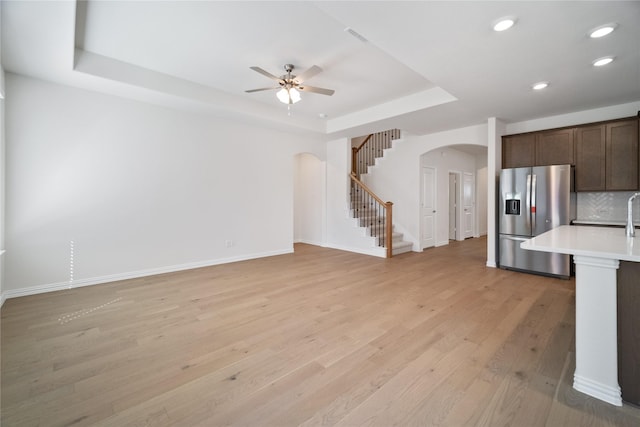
x=534 y=200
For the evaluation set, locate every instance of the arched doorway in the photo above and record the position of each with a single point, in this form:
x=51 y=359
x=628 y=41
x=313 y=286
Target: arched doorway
x=309 y=199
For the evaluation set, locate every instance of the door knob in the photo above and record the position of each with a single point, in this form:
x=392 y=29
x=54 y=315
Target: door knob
x=434 y=211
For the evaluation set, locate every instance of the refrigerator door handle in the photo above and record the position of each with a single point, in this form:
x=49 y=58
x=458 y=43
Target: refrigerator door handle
x=520 y=239
x=527 y=207
x=533 y=204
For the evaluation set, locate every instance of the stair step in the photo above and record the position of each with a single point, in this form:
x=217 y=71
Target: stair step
x=401 y=247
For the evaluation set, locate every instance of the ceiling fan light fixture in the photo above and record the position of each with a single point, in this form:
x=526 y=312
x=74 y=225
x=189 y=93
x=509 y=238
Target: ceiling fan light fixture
x=290 y=85
x=288 y=95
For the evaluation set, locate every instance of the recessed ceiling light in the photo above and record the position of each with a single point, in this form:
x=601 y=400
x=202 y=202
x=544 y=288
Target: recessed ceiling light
x=602 y=31
x=603 y=61
x=540 y=85
x=322 y=115
x=504 y=24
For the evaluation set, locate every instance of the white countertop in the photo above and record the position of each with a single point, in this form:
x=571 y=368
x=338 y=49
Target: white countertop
x=599 y=242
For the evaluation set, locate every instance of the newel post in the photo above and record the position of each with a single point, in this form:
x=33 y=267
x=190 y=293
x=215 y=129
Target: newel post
x=389 y=229
x=354 y=159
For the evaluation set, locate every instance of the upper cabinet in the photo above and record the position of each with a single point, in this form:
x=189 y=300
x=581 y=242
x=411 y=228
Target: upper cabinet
x=554 y=147
x=606 y=155
x=622 y=155
x=590 y=158
x=518 y=150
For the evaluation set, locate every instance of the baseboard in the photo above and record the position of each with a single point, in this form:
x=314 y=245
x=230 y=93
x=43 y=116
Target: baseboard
x=608 y=393
x=3 y=296
x=60 y=286
x=310 y=242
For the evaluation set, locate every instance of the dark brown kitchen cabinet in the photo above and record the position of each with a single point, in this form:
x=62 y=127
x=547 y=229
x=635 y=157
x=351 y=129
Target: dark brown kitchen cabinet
x=590 y=158
x=622 y=155
x=518 y=150
x=629 y=331
x=555 y=147
x=606 y=155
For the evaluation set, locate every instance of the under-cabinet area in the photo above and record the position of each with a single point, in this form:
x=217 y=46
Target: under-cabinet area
x=606 y=155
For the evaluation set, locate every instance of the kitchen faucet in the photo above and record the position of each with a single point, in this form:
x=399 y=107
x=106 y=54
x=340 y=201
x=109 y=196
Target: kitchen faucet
x=629 y=229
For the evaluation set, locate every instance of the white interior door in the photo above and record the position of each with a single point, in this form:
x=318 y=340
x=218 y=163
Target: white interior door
x=453 y=205
x=468 y=202
x=428 y=207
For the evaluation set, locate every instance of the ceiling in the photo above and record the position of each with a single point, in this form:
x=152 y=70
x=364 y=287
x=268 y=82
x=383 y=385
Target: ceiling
x=422 y=66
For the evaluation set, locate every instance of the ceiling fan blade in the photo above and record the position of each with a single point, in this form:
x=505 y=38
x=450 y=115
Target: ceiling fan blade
x=261 y=89
x=265 y=73
x=308 y=74
x=319 y=90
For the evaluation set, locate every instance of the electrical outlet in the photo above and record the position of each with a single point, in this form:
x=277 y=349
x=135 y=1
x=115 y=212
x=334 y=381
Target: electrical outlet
x=228 y=243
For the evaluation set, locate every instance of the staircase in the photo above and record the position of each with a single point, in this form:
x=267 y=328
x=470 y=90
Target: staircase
x=370 y=211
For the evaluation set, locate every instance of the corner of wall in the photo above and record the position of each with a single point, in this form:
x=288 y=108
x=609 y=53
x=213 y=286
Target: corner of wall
x=496 y=129
x=2 y=180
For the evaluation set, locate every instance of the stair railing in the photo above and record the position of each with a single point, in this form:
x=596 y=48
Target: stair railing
x=373 y=213
x=371 y=148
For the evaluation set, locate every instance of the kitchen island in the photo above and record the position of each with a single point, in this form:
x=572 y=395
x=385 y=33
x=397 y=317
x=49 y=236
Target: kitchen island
x=597 y=252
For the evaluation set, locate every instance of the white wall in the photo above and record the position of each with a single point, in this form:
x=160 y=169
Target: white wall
x=396 y=176
x=495 y=130
x=138 y=188
x=2 y=169
x=575 y=118
x=309 y=199
x=445 y=160
x=2 y=185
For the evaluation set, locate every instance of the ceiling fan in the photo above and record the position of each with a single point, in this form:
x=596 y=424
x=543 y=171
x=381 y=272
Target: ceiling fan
x=289 y=84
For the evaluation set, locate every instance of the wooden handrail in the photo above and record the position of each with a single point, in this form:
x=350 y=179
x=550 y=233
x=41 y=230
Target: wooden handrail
x=374 y=143
x=354 y=153
x=367 y=189
x=364 y=142
x=388 y=217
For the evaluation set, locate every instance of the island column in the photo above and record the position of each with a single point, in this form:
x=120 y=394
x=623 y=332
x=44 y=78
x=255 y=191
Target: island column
x=596 y=371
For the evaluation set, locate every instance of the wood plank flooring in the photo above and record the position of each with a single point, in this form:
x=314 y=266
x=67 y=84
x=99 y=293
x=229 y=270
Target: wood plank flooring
x=318 y=337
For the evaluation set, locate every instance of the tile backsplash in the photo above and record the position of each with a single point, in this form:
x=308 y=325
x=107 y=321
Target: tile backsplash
x=606 y=206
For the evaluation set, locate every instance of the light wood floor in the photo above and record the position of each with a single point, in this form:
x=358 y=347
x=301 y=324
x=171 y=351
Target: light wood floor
x=318 y=337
